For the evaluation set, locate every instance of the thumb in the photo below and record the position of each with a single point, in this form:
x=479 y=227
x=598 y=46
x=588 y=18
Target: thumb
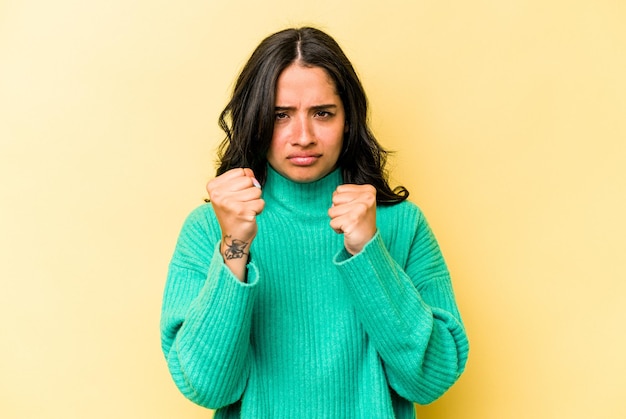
x=249 y=173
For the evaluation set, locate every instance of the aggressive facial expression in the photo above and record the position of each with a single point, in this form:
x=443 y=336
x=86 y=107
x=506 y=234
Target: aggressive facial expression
x=309 y=124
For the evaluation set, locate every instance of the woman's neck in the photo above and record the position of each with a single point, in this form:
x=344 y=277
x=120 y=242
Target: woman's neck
x=304 y=199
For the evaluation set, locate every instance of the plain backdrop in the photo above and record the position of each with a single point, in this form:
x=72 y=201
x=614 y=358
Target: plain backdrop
x=508 y=123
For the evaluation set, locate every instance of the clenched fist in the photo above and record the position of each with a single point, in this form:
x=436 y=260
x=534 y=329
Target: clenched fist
x=236 y=199
x=353 y=214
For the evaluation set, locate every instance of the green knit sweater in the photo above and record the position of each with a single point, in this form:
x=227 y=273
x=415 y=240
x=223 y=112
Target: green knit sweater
x=315 y=332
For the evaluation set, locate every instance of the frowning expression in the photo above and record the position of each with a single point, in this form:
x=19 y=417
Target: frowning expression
x=309 y=124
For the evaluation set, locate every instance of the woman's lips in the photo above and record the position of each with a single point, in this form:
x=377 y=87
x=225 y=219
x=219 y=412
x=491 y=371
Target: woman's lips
x=303 y=159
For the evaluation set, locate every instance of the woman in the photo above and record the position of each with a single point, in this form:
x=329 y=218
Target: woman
x=307 y=287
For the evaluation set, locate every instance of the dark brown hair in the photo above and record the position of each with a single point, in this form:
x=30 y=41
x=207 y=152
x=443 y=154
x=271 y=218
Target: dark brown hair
x=248 y=119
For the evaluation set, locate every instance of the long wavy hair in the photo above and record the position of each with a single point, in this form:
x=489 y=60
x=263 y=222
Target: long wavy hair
x=248 y=118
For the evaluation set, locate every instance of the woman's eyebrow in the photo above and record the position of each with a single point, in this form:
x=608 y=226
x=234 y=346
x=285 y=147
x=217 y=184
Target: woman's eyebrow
x=314 y=108
x=324 y=107
x=284 y=108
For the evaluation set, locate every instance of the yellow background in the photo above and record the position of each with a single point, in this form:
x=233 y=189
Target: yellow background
x=508 y=119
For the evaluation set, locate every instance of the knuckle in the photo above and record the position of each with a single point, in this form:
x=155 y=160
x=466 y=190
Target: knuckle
x=215 y=195
x=360 y=208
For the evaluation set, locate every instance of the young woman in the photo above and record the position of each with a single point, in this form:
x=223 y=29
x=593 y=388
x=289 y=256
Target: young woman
x=307 y=287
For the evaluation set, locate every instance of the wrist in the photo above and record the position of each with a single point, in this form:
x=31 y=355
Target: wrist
x=236 y=255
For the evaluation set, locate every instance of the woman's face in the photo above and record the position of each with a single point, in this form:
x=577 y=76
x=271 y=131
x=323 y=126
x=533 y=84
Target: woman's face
x=309 y=124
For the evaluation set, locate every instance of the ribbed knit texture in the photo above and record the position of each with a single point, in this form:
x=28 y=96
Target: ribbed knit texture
x=315 y=332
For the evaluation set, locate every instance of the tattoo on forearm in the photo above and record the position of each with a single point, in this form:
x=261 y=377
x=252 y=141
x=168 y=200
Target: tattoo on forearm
x=234 y=249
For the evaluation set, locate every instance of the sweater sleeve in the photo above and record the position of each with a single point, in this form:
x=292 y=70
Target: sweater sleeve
x=206 y=317
x=409 y=313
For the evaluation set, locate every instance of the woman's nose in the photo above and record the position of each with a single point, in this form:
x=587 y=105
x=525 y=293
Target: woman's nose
x=303 y=133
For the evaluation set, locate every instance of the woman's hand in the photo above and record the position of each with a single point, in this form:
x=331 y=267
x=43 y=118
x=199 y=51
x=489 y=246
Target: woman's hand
x=236 y=199
x=353 y=214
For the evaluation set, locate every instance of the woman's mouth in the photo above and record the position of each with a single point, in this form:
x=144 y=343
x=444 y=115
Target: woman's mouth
x=303 y=159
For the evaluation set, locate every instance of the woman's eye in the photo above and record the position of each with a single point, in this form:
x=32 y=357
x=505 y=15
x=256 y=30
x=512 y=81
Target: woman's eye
x=280 y=115
x=323 y=114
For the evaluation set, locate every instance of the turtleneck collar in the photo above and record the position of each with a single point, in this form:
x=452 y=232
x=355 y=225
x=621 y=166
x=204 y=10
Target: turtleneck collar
x=304 y=199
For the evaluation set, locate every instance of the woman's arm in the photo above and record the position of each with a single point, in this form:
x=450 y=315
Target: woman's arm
x=206 y=317
x=409 y=311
